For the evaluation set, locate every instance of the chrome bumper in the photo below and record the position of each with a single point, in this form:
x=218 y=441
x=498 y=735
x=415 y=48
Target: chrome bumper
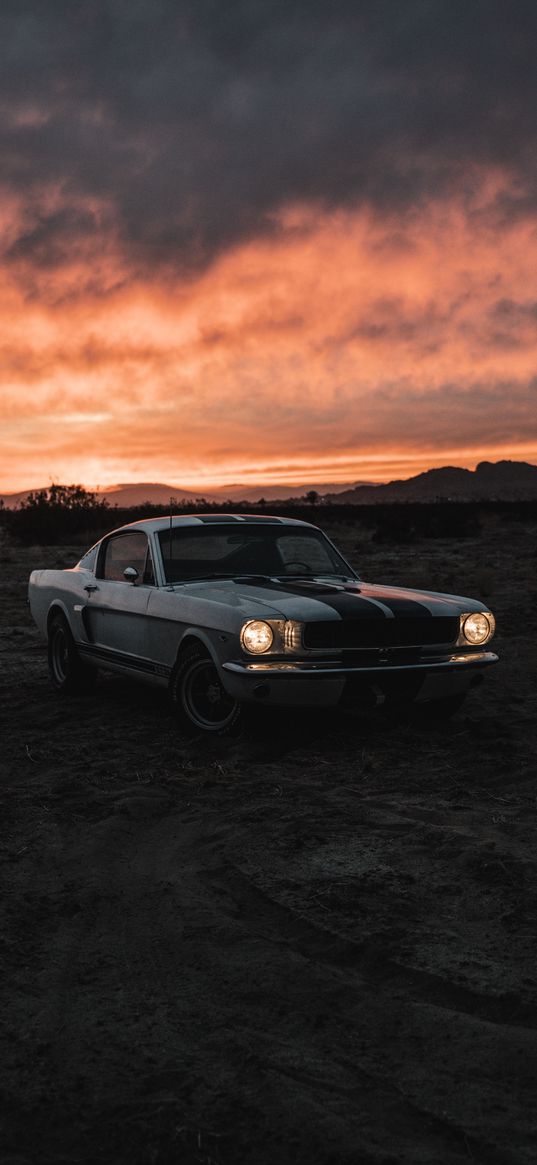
x=323 y=682
x=325 y=667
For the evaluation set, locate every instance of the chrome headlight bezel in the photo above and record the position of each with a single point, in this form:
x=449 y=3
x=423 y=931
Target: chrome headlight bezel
x=472 y=638
x=248 y=632
x=286 y=637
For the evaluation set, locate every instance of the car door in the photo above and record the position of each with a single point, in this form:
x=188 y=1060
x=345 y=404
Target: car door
x=115 y=615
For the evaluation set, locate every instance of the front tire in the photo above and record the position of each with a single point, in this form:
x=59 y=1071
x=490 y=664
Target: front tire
x=201 y=700
x=69 y=676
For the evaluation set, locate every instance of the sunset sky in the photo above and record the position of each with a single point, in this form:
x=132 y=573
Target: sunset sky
x=266 y=240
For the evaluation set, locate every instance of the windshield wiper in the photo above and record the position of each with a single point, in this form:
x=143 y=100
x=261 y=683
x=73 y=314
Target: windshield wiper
x=235 y=576
x=318 y=577
x=200 y=578
x=340 y=577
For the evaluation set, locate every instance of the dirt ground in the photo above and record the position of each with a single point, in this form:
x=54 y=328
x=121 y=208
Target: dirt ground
x=313 y=944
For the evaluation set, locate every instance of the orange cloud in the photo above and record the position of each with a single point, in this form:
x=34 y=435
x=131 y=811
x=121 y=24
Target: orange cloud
x=345 y=346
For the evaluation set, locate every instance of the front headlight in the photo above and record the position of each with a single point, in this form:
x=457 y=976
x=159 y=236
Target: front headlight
x=257 y=636
x=477 y=628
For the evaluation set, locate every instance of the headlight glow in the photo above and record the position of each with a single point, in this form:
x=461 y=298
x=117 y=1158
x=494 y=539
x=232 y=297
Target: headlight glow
x=477 y=628
x=257 y=636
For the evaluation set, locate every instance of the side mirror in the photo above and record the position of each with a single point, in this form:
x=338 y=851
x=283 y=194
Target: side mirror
x=130 y=574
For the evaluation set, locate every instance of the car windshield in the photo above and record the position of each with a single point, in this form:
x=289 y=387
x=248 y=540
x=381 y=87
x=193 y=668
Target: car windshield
x=231 y=551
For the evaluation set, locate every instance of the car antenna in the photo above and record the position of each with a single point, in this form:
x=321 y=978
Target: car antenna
x=171 y=534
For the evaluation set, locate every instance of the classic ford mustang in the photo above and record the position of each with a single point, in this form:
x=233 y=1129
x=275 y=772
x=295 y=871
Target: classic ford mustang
x=225 y=609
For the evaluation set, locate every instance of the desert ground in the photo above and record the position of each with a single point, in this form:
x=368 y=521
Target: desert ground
x=311 y=944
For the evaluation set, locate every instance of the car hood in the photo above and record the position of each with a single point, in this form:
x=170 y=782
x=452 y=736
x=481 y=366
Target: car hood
x=314 y=599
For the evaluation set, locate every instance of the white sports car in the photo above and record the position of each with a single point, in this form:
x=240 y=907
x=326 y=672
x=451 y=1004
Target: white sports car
x=226 y=609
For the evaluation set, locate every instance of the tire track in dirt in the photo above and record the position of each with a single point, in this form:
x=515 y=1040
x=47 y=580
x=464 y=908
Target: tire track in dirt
x=379 y=982
x=370 y=961
x=207 y=933
x=358 y=977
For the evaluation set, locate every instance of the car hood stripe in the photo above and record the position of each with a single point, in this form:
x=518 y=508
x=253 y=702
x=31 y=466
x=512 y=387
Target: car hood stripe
x=349 y=602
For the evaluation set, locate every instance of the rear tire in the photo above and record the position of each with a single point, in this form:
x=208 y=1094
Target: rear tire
x=69 y=676
x=202 y=702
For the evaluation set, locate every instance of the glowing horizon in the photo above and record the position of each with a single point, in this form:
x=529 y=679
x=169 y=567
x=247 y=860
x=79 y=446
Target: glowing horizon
x=378 y=471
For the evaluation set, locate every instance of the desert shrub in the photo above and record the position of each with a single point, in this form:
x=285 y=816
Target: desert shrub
x=61 y=513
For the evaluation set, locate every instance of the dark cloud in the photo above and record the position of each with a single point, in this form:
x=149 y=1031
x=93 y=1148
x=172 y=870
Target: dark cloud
x=47 y=237
x=443 y=418
x=511 y=311
x=178 y=129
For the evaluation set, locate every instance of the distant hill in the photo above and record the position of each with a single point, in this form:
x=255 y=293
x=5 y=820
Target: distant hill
x=158 y=494
x=500 y=481
x=276 y=493
x=10 y=501
x=136 y=493
x=120 y=495
x=495 y=481
x=128 y=494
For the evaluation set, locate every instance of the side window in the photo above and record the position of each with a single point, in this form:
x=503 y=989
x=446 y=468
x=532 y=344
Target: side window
x=125 y=550
x=148 y=576
x=88 y=559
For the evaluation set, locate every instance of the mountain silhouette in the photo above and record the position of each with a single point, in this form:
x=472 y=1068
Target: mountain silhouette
x=490 y=481
x=126 y=494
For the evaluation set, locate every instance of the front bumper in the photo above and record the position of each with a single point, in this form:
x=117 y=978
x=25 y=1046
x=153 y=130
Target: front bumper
x=325 y=683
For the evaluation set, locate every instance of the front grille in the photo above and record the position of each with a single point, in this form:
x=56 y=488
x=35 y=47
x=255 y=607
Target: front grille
x=398 y=632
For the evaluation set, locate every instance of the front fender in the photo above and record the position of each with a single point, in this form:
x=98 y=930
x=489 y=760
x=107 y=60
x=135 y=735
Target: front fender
x=194 y=635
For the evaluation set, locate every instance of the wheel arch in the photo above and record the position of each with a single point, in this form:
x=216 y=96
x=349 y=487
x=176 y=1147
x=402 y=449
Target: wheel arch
x=58 y=608
x=198 y=643
x=196 y=638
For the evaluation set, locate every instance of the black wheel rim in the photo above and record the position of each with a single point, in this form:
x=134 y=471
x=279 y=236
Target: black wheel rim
x=60 y=655
x=205 y=701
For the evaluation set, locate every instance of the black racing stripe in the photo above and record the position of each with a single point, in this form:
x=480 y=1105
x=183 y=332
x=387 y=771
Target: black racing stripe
x=348 y=604
x=264 y=520
x=218 y=519
x=351 y=604
x=120 y=658
x=240 y=520
x=405 y=608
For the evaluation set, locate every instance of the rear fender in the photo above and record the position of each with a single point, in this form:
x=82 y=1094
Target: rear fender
x=58 y=607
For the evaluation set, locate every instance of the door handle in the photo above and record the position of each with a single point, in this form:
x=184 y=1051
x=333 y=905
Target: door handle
x=89 y=587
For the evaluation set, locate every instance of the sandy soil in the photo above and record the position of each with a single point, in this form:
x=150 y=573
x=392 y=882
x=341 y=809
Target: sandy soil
x=315 y=943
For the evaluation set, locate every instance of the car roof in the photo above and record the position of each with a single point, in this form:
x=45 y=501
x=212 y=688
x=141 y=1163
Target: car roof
x=155 y=525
